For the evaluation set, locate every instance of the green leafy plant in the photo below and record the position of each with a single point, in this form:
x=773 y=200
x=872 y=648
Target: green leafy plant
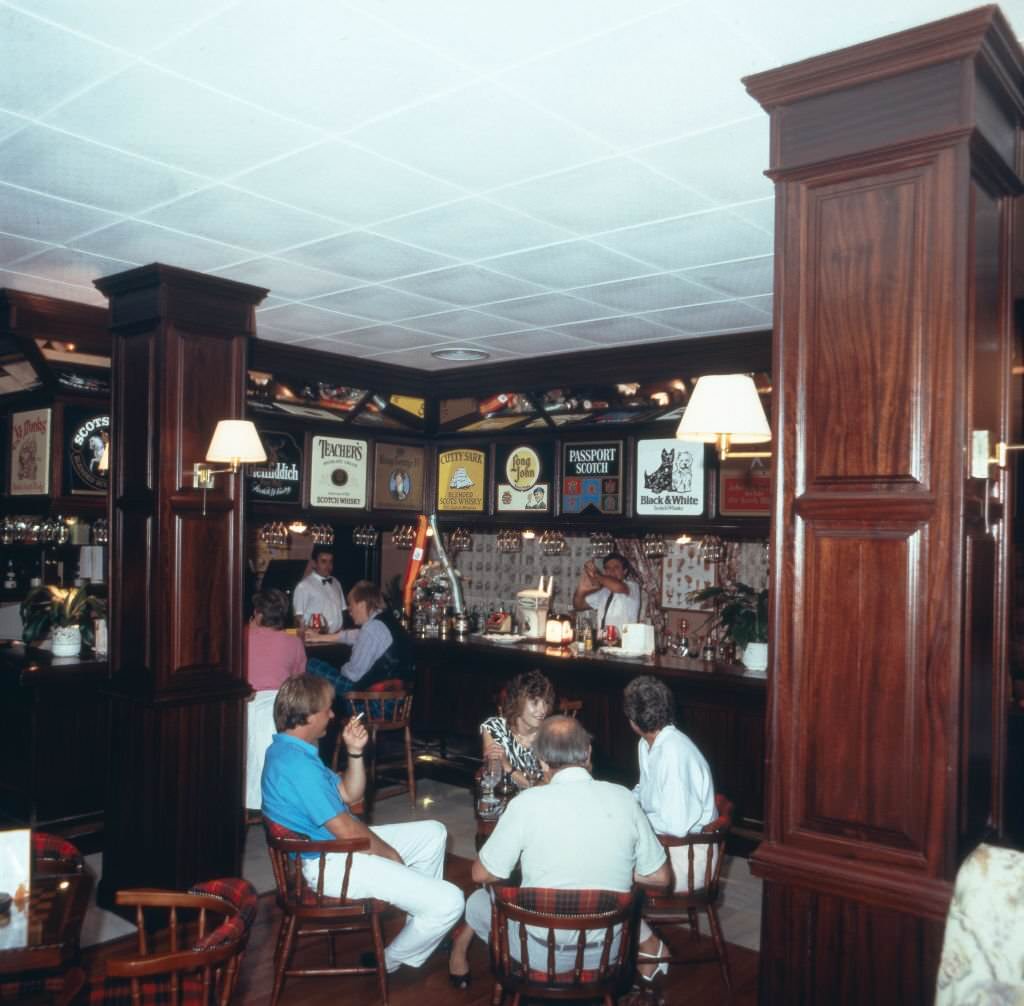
x=46 y=608
x=739 y=609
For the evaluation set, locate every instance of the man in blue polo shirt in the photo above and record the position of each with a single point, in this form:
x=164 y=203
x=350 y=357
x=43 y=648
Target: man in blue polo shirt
x=405 y=863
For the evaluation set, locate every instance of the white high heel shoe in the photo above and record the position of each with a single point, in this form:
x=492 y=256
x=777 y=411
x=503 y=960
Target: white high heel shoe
x=661 y=969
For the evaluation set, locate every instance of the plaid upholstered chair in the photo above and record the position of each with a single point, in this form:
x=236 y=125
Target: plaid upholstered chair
x=196 y=965
x=49 y=966
x=705 y=851
x=577 y=945
x=310 y=910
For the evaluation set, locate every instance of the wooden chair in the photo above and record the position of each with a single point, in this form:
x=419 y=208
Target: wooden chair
x=570 y=707
x=310 y=911
x=385 y=711
x=197 y=967
x=524 y=963
x=663 y=909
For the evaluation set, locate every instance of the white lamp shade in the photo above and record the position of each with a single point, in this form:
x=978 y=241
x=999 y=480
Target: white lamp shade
x=235 y=441
x=725 y=403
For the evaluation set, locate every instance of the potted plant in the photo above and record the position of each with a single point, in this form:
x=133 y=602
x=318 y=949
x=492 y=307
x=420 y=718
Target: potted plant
x=66 y=613
x=743 y=613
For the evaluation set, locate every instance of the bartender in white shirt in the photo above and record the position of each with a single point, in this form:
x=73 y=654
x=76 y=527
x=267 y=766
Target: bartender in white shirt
x=611 y=592
x=320 y=592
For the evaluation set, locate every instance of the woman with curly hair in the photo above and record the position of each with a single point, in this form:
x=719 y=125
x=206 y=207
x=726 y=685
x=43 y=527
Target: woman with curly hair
x=525 y=704
x=675 y=788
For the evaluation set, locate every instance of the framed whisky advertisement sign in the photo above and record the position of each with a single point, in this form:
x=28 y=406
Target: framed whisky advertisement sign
x=279 y=478
x=744 y=489
x=86 y=455
x=523 y=477
x=462 y=480
x=337 y=473
x=669 y=478
x=592 y=477
x=398 y=476
x=29 y=456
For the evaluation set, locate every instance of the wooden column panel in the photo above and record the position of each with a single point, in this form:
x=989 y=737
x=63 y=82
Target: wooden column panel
x=176 y=579
x=890 y=300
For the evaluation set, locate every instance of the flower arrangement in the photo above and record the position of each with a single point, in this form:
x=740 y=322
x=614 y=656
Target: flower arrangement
x=739 y=609
x=47 y=608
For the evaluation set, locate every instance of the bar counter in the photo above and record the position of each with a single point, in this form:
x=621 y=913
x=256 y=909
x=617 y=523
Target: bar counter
x=53 y=748
x=720 y=706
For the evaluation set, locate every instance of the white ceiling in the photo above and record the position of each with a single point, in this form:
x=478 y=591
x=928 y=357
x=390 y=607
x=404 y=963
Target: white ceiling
x=524 y=177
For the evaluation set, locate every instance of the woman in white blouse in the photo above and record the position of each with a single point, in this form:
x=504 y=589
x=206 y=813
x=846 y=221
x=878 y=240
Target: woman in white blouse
x=675 y=788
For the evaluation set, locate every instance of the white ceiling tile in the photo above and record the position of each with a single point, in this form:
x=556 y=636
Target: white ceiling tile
x=476 y=137
x=547 y=309
x=332 y=344
x=308 y=320
x=648 y=293
x=760 y=213
x=574 y=263
x=13 y=248
x=68 y=266
x=43 y=64
x=536 y=342
x=725 y=316
x=286 y=279
x=368 y=257
x=380 y=303
x=278 y=334
x=616 y=331
x=472 y=228
x=602 y=196
x=145 y=242
x=10 y=124
x=699 y=239
x=465 y=285
x=385 y=338
x=238 y=218
x=61 y=165
x=123 y=23
x=156 y=114
x=14 y=280
x=737 y=279
x=321 y=63
x=665 y=75
x=47 y=219
x=461 y=324
x=339 y=180
x=722 y=163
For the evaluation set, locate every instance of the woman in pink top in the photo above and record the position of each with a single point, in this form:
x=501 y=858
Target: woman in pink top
x=274 y=656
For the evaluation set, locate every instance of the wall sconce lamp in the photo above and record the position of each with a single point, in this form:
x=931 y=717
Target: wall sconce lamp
x=982 y=456
x=725 y=409
x=235 y=442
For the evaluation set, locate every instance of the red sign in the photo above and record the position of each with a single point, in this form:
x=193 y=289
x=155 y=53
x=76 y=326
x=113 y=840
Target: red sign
x=744 y=491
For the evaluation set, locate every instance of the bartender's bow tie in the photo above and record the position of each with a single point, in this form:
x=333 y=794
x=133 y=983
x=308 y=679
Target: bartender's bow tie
x=327 y=579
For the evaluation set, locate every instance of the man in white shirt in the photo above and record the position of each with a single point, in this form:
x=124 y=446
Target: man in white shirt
x=574 y=834
x=612 y=592
x=319 y=592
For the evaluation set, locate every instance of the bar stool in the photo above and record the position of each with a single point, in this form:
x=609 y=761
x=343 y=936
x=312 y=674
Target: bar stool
x=384 y=711
x=570 y=707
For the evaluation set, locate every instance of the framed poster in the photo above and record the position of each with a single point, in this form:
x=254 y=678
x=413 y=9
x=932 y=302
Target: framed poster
x=86 y=454
x=461 y=480
x=279 y=478
x=669 y=477
x=30 y=452
x=592 y=477
x=523 y=476
x=744 y=489
x=398 y=477
x=337 y=473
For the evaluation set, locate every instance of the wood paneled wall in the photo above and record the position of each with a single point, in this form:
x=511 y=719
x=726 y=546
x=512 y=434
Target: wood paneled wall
x=894 y=165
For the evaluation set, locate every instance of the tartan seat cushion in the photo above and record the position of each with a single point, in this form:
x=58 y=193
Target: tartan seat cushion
x=17 y=990
x=236 y=892
x=54 y=849
x=388 y=685
x=153 y=992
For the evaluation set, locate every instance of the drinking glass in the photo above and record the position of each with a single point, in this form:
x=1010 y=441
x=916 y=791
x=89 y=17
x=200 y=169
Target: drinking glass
x=488 y=804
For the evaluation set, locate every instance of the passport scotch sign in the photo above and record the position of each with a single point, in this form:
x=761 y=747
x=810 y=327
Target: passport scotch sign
x=592 y=477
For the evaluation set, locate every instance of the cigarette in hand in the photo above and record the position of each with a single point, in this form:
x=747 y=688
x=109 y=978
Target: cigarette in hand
x=357 y=717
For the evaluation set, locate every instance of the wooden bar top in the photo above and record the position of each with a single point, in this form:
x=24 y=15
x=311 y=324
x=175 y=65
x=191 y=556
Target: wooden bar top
x=29 y=665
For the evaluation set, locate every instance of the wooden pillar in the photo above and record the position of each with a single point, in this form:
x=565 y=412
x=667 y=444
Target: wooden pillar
x=178 y=679
x=895 y=164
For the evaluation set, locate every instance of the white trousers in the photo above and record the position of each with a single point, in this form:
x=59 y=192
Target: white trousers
x=679 y=856
x=478 y=918
x=260 y=732
x=432 y=905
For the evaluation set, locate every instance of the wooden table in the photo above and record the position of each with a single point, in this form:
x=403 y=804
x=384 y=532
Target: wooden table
x=44 y=932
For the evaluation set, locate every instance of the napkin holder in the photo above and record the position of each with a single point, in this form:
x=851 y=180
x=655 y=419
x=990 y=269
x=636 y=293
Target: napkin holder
x=638 y=637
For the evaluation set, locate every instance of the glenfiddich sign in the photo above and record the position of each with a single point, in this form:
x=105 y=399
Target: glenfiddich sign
x=279 y=478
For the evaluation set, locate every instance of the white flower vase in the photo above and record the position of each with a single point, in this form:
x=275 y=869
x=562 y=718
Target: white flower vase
x=755 y=656
x=67 y=640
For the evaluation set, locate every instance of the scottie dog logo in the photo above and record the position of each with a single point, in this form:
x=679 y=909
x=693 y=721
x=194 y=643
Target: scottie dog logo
x=674 y=474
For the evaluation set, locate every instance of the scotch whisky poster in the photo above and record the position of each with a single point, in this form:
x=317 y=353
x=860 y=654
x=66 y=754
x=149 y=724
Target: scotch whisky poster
x=86 y=451
x=669 y=478
x=523 y=478
x=461 y=484
x=30 y=452
x=398 y=471
x=337 y=473
x=592 y=477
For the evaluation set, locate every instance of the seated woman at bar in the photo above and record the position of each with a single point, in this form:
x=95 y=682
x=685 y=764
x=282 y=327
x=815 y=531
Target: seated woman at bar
x=675 y=789
x=273 y=656
x=525 y=704
x=381 y=648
